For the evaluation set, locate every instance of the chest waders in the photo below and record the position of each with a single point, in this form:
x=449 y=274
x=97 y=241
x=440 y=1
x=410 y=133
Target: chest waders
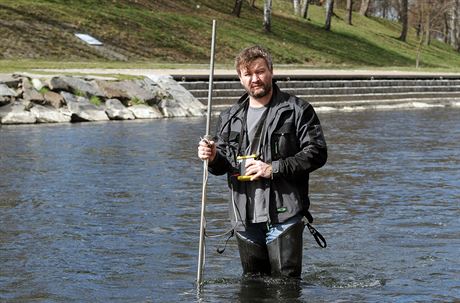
x=281 y=257
x=285 y=252
x=253 y=256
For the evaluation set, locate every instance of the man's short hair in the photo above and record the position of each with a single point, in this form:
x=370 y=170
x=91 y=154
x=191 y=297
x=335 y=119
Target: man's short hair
x=249 y=54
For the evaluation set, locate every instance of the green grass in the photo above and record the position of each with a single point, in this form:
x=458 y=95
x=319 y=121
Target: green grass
x=177 y=34
x=95 y=100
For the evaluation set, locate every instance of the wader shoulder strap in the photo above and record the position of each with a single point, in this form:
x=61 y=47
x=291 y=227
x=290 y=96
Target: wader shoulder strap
x=318 y=237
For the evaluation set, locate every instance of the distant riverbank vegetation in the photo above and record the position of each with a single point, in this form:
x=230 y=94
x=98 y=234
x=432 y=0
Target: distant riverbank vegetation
x=381 y=34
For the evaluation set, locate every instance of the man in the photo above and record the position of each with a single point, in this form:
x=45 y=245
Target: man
x=267 y=144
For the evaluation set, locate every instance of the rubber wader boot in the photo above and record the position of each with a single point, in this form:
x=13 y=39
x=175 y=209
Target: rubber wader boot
x=254 y=257
x=285 y=252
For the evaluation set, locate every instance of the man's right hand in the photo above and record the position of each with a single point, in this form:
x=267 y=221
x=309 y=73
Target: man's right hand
x=207 y=150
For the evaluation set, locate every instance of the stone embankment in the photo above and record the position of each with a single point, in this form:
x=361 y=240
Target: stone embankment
x=26 y=99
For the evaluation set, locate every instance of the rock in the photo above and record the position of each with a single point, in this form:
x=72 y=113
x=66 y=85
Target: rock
x=75 y=85
x=112 y=90
x=158 y=93
x=30 y=93
x=6 y=91
x=4 y=100
x=82 y=110
x=117 y=111
x=37 y=84
x=142 y=111
x=9 y=80
x=15 y=113
x=135 y=89
x=54 y=99
x=181 y=103
x=48 y=114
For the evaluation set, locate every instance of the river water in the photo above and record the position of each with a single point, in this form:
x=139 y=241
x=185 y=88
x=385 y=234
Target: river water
x=109 y=212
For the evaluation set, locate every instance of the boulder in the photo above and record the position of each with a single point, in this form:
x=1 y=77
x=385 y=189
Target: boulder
x=54 y=99
x=15 y=113
x=82 y=110
x=112 y=90
x=4 y=100
x=142 y=111
x=6 y=91
x=142 y=91
x=117 y=111
x=10 y=80
x=37 y=83
x=75 y=85
x=181 y=102
x=29 y=93
x=48 y=114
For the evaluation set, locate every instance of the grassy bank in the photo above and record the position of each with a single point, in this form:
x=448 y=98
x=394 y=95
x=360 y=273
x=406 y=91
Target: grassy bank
x=169 y=33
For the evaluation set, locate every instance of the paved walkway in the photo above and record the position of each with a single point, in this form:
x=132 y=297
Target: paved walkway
x=279 y=72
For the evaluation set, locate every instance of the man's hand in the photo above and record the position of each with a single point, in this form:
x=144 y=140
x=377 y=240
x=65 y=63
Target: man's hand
x=207 y=150
x=258 y=169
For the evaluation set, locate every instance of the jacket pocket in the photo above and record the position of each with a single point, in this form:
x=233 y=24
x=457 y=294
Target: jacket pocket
x=285 y=142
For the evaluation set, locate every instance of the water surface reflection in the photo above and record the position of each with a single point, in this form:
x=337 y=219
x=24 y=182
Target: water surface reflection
x=109 y=212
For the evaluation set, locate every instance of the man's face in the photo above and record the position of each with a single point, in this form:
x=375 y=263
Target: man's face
x=257 y=78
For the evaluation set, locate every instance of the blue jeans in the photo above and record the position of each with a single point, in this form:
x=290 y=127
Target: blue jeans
x=264 y=233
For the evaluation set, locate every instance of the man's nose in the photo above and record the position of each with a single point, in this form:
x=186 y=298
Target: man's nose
x=254 y=78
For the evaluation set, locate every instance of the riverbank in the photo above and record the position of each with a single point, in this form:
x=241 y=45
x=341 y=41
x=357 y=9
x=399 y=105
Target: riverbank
x=182 y=92
x=29 y=99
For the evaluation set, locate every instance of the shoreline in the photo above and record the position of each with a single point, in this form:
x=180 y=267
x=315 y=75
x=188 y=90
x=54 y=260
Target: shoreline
x=326 y=90
x=279 y=72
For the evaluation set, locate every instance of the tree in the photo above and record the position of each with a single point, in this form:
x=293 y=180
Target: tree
x=364 y=9
x=304 y=12
x=430 y=16
x=454 y=28
x=350 y=11
x=268 y=15
x=237 y=8
x=296 y=4
x=329 y=13
x=404 y=19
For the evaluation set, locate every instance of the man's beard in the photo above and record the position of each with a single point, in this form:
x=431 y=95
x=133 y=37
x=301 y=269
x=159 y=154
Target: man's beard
x=261 y=91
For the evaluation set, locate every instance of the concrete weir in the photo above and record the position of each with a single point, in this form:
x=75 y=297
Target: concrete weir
x=341 y=90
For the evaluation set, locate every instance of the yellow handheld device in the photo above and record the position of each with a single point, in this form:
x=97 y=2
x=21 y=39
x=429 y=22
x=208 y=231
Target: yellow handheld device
x=241 y=160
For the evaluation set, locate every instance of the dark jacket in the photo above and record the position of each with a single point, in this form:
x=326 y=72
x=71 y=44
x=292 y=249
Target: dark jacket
x=294 y=145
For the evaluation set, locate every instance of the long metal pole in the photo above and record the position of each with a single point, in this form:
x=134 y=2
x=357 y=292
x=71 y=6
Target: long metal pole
x=201 y=251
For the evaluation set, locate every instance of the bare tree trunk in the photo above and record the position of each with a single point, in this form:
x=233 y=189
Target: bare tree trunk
x=446 y=28
x=268 y=16
x=304 y=12
x=419 y=26
x=404 y=20
x=455 y=26
x=427 y=28
x=252 y=3
x=329 y=13
x=237 y=8
x=364 y=7
x=296 y=4
x=419 y=52
x=350 y=11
